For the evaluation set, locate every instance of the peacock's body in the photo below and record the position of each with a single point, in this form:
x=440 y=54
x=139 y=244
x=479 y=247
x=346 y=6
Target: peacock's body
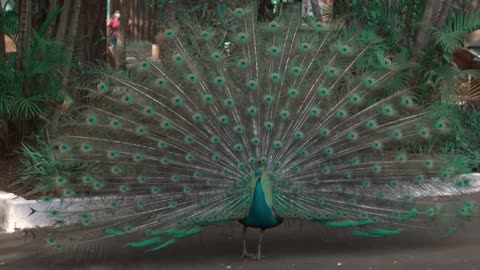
x=261 y=214
x=299 y=121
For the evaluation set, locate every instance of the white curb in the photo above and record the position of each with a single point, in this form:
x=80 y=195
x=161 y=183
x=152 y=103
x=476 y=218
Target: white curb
x=15 y=213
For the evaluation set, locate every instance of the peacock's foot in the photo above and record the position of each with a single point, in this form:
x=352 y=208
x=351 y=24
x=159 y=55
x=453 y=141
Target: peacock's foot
x=258 y=256
x=245 y=254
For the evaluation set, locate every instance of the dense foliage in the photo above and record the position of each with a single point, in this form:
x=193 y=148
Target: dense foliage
x=29 y=92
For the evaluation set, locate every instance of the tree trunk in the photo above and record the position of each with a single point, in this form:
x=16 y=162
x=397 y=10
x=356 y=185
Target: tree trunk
x=131 y=17
x=51 y=5
x=444 y=13
x=153 y=23
x=148 y=30
x=121 y=51
x=90 y=42
x=63 y=23
x=17 y=128
x=408 y=25
x=143 y=23
x=2 y=38
x=435 y=14
x=423 y=33
x=72 y=34
x=25 y=20
x=39 y=13
x=135 y=36
x=473 y=5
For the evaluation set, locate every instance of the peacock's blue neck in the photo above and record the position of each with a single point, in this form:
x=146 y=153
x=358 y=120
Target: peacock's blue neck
x=260 y=215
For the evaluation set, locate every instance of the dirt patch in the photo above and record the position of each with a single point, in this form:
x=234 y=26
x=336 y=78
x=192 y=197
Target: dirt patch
x=8 y=169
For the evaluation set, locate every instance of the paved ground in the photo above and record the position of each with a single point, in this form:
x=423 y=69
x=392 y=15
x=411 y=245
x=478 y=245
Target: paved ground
x=296 y=247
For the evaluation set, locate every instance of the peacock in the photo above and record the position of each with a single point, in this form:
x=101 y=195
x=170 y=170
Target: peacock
x=295 y=120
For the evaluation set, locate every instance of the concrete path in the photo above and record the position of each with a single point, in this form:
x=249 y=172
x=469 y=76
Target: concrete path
x=287 y=247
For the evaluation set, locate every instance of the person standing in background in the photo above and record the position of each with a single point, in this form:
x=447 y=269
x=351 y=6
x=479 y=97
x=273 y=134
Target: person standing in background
x=113 y=26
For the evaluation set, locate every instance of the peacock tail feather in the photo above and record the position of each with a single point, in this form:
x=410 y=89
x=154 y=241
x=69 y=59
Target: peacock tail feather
x=170 y=147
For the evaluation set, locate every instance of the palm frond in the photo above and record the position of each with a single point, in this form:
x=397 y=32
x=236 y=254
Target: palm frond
x=7 y=102
x=467 y=91
x=28 y=108
x=452 y=36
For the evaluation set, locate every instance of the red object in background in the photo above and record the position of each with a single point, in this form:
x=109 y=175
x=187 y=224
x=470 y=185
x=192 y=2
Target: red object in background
x=114 y=27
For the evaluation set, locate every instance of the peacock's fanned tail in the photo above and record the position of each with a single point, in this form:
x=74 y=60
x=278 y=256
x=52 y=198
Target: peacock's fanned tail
x=170 y=147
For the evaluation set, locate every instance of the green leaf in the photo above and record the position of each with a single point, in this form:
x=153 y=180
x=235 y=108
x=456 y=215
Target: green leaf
x=6 y=105
x=28 y=108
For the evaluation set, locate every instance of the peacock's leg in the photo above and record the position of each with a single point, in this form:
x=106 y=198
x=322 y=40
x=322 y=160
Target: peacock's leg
x=259 y=251
x=244 y=238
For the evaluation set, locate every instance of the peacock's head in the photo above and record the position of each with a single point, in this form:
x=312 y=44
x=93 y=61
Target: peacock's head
x=258 y=172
